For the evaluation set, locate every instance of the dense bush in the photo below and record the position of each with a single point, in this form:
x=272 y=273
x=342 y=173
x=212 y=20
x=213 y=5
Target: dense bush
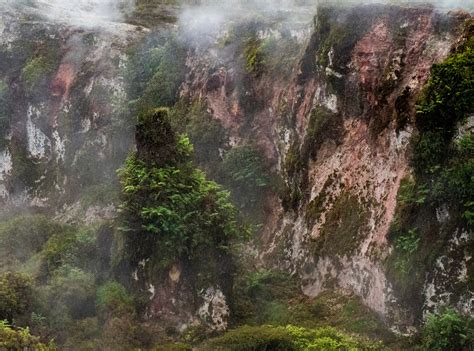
x=113 y=298
x=12 y=339
x=289 y=338
x=446 y=102
x=22 y=237
x=16 y=295
x=168 y=205
x=71 y=247
x=72 y=290
x=448 y=331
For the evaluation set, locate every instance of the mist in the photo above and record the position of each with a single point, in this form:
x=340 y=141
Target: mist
x=84 y=13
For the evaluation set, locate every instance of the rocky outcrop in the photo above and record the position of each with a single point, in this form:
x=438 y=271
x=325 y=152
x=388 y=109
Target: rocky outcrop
x=330 y=105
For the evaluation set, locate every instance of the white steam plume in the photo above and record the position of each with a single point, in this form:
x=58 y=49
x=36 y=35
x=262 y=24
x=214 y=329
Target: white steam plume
x=87 y=13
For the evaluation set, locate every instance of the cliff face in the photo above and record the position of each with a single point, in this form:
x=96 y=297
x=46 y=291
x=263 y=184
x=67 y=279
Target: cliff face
x=65 y=127
x=336 y=122
x=330 y=105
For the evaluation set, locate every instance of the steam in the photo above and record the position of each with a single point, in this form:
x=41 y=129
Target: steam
x=203 y=21
x=84 y=13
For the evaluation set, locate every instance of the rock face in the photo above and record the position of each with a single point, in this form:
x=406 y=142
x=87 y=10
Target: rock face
x=66 y=119
x=330 y=105
x=337 y=128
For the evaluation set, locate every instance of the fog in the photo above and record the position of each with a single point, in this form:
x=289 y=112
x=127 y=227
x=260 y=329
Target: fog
x=205 y=13
x=87 y=13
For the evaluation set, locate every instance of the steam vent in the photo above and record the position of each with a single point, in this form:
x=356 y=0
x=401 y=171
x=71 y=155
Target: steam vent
x=236 y=175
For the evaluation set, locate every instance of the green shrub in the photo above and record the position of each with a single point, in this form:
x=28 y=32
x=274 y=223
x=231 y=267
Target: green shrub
x=254 y=56
x=409 y=243
x=262 y=296
x=155 y=74
x=125 y=333
x=447 y=331
x=16 y=295
x=73 y=247
x=73 y=291
x=259 y=338
x=168 y=205
x=83 y=335
x=35 y=72
x=289 y=338
x=20 y=339
x=112 y=298
x=23 y=236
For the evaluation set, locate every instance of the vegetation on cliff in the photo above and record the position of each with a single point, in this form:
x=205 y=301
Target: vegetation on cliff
x=168 y=205
x=443 y=162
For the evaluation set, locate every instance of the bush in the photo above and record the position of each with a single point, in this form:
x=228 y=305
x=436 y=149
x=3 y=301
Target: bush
x=16 y=295
x=260 y=338
x=72 y=291
x=254 y=56
x=289 y=338
x=155 y=74
x=168 y=205
x=447 y=331
x=20 y=339
x=112 y=298
x=72 y=247
x=23 y=236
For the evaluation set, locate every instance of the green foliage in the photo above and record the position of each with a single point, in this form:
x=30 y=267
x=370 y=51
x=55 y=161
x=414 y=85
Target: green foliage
x=289 y=338
x=73 y=291
x=12 y=339
x=206 y=134
x=447 y=331
x=408 y=243
x=262 y=296
x=112 y=297
x=125 y=333
x=16 y=295
x=155 y=74
x=448 y=95
x=254 y=56
x=409 y=194
x=258 y=338
x=35 y=72
x=22 y=237
x=443 y=177
x=245 y=171
x=446 y=101
x=84 y=335
x=168 y=205
x=71 y=247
